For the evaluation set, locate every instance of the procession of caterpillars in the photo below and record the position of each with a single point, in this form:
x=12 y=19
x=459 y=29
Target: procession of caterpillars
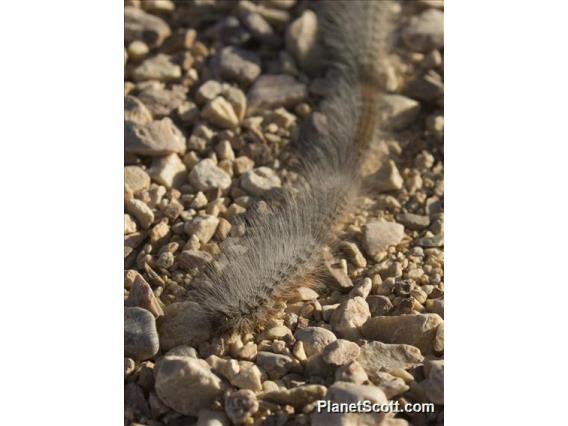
x=281 y=246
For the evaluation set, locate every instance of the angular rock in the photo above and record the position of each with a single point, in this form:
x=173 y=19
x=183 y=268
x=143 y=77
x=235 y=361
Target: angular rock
x=388 y=177
x=315 y=339
x=275 y=90
x=159 y=67
x=259 y=27
x=417 y=330
x=136 y=111
x=433 y=386
x=378 y=236
x=392 y=386
x=142 y=296
x=205 y=176
x=139 y=25
x=186 y=384
x=425 y=32
x=349 y=317
x=141 y=212
x=136 y=179
x=208 y=91
x=237 y=64
x=352 y=372
x=399 y=112
x=183 y=324
x=376 y=357
x=427 y=87
x=340 y=352
x=220 y=113
x=237 y=99
x=153 y=139
x=203 y=227
x=140 y=336
x=248 y=378
x=260 y=180
x=169 y=170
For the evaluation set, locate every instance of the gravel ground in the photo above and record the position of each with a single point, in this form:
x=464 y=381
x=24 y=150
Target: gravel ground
x=216 y=93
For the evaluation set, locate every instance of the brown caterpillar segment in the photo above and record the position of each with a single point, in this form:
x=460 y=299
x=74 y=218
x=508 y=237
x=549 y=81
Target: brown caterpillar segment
x=281 y=249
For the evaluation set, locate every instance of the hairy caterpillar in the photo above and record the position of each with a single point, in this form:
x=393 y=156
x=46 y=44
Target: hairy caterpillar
x=281 y=247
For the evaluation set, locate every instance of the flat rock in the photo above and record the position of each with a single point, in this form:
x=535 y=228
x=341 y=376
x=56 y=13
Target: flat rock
x=413 y=221
x=340 y=352
x=136 y=179
x=186 y=384
x=205 y=176
x=220 y=113
x=136 y=111
x=183 y=324
x=425 y=32
x=349 y=317
x=260 y=181
x=194 y=259
x=275 y=90
x=377 y=356
x=315 y=339
x=139 y=25
x=399 y=112
x=159 y=67
x=378 y=236
x=153 y=139
x=140 y=336
x=162 y=102
x=237 y=64
x=298 y=397
x=417 y=330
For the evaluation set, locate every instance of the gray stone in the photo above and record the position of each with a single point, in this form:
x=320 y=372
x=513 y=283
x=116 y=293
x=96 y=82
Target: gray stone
x=427 y=87
x=388 y=177
x=159 y=67
x=260 y=181
x=259 y=27
x=136 y=179
x=153 y=139
x=433 y=385
x=237 y=99
x=378 y=236
x=377 y=356
x=140 y=335
x=425 y=32
x=413 y=221
x=186 y=384
x=139 y=25
x=275 y=90
x=301 y=39
x=169 y=170
x=379 y=305
x=340 y=352
x=237 y=64
x=183 y=324
x=205 y=176
x=208 y=91
x=276 y=365
x=240 y=405
x=417 y=330
x=136 y=111
x=352 y=372
x=162 y=102
x=392 y=386
x=399 y=112
x=315 y=339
